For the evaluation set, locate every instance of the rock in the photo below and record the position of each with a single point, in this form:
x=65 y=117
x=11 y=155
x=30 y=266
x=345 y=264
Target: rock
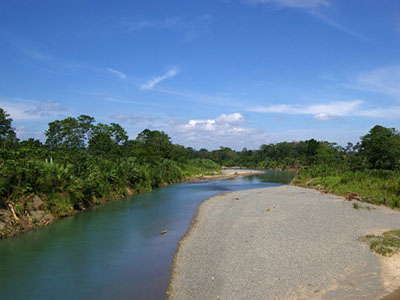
x=164 y=232
x=5 y=215
x=47 y=219
x=37 y=203
x=37 y=215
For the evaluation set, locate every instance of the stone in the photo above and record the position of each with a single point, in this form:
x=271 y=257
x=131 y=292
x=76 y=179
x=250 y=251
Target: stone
x=48 y=218
x=5 y=215
x=38 y=214
x=37 y=203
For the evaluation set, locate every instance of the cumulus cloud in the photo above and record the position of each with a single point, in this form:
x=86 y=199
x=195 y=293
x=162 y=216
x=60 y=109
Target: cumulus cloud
x=233 y=119
x=156 y=80
x=321 y=112
x=225 y=130
x=117 y=73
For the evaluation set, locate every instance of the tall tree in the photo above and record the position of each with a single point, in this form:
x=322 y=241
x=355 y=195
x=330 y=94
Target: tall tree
x=106 y=138
x=381 y=148
x=153 y=144
x=70 y=133
x=7 y=132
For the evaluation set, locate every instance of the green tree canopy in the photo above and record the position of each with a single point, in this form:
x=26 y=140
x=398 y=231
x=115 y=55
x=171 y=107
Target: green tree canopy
x=381 y=148
x=7 y=132
x=70 y=133
x=106 y=138
x=153 y=145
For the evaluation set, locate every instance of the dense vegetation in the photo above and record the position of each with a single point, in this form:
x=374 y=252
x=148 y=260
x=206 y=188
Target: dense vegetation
x=83 y=163
x=371 y=168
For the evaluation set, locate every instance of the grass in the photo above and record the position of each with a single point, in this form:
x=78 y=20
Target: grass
x=386 y=244
x=358 y=206
x=374 y=186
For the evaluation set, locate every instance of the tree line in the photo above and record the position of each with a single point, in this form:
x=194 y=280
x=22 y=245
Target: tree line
x=378 y=149
x=82 y=163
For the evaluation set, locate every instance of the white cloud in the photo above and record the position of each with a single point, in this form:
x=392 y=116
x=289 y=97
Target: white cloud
x=117 y=73
x=146 y=24
x=389 y=112
x=384 y=80
x=225 y=130
x=314 y=7
x=296 y=3
x=233 y=119
x=325 y=117
x=320 y=112
x=22 y=109
x=142 y=120
x=337 y=25
x=36 y=54
x=192 y=28
x=156 y=80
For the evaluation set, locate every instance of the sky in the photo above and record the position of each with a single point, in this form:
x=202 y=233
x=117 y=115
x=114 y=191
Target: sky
x=209 y=73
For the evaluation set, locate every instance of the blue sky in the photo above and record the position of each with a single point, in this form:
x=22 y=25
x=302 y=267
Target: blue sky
x=237 y=73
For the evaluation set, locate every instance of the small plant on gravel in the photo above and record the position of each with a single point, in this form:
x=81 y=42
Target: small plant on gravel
x=358 y=206
x=386 y=244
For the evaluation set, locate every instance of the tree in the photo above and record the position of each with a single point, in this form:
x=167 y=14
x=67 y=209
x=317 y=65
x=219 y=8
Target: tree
x=7 y=132
x=70 y=133
x=381 y=148
x=106 y=138
x=153 y=145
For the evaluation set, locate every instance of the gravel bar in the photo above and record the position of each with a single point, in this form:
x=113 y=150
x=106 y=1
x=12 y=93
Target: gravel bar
x=283 y=242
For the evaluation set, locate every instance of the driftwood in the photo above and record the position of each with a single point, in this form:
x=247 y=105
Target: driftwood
x=353 y=196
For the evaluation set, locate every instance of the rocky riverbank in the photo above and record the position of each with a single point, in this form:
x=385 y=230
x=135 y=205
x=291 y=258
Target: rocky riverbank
x=36 y=216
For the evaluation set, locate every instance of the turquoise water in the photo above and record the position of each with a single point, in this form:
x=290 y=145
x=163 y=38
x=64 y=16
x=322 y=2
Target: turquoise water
x=113 y=251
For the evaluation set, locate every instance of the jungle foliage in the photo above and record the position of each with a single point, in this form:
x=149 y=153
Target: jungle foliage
x=370 y=168
x=83 y=163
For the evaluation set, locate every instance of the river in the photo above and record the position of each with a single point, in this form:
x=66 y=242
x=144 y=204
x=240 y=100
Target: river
x=112 y=251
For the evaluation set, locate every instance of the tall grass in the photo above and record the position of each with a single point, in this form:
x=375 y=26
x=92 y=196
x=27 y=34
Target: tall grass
x=374 y=186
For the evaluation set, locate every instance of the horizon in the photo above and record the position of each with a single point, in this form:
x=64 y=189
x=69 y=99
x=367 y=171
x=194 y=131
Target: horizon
x=210 y=73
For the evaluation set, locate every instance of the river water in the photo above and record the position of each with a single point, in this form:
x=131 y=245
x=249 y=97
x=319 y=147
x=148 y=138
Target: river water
x=113 y=251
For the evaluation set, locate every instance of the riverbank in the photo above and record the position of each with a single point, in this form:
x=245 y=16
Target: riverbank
x=14 y=222
x=373 y=186
x=283 y=243
x=226 y=173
